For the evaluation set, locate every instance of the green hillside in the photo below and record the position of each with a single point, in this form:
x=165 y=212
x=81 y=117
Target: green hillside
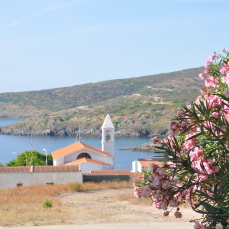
x=138 y=106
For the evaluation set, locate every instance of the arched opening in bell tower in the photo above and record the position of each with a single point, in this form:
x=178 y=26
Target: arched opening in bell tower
x=108 y=135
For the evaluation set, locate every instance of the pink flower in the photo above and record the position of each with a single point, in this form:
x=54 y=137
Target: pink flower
x=165 y=184
x=218 y=226
x=207 y=64
x=215 y=169
x=161 y=171
x=166 y=213
x=190 y=143
x=212 y=57
x=157 y=203
x=153 y=167
x=201 y=75
x=226 y=93
x=199 y=226
x=146 y=191
x=178 y=214
x=211 y=82
x=164 y=205
x=222 y=70
x=155 y=139
x=174 y=127
x=156 y=181
x=137 y=192
x=196 y=154
x=173 y=203
x=225 y=79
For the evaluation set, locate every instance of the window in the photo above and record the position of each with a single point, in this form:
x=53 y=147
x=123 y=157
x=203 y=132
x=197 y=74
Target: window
x=108 y=135
x=82 y=155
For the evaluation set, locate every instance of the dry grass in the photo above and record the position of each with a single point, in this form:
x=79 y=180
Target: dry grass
x=129 y=196
x=74 y=187
x=24 y=205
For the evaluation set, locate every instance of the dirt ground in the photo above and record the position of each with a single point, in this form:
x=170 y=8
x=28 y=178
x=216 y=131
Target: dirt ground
x=116 y=205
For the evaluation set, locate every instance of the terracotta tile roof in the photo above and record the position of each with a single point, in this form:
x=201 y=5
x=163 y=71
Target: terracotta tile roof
x=137 y=178
x=16 y=169
x=75 y=146
x=27 y=169
x=71 y=168
x=145 y=163
x=83 y=160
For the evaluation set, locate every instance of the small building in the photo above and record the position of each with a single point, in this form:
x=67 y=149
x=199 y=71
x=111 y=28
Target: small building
x=141 y=165
x=87 y=157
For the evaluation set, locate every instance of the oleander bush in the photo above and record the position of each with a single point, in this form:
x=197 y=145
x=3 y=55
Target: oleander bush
x=197 y=153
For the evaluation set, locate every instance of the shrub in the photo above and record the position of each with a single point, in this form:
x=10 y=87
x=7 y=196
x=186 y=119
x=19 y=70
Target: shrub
x=143 y=122
x=197 y=171
x=47 y=204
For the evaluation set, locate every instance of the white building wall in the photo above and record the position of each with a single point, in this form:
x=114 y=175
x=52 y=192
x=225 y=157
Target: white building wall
x=109 y=160
x=107 y=167
x=10 y=180
x=139 y=167
x=108 y=138
x=94 y=156
x=108 y=147
x=87 y=167
x=58 y=161
x=136 y=166
x=73 y=156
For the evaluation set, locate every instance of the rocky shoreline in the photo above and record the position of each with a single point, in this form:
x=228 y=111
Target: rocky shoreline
x=38 y=128
x=90 y=132
x=146 y=147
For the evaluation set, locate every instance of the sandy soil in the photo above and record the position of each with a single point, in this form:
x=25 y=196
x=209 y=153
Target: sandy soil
x=116 y=205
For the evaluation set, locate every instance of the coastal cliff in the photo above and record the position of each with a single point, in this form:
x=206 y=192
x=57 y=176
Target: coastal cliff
x=129 y=128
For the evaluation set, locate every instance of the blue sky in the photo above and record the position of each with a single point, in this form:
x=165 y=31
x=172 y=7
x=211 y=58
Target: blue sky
x=58 y=43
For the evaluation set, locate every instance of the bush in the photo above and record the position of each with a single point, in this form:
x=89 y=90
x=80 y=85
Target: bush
x=197 y=169
x=47 y=204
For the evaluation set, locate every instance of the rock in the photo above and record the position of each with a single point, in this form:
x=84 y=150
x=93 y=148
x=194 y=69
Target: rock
x=146 y=147
x=55 y=127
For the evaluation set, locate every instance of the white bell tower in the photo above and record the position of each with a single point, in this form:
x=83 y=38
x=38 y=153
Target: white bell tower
x=108 y=136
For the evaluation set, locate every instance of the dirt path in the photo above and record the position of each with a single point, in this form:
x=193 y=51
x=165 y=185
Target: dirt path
x=116 y=205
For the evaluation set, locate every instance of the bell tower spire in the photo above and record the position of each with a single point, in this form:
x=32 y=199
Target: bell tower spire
x=108 y=136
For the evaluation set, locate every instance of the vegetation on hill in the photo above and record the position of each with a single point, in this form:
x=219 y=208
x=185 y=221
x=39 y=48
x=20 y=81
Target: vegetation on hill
x=139 y=106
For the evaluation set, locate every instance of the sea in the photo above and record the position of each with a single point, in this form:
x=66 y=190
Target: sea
x=12 y=145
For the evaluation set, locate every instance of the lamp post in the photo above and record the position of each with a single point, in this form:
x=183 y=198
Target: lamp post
x=46 y=157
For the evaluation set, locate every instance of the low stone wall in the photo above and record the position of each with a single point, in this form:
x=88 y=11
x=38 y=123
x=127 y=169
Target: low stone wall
x=27 y=175
x=11 y=180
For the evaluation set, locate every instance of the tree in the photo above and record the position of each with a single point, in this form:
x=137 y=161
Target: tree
x=197 y=153
x=31 y=158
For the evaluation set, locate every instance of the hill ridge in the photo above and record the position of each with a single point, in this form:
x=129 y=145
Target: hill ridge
x=139 y=106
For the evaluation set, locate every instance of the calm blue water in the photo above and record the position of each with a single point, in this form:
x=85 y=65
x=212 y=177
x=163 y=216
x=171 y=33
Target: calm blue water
x=19 y=144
